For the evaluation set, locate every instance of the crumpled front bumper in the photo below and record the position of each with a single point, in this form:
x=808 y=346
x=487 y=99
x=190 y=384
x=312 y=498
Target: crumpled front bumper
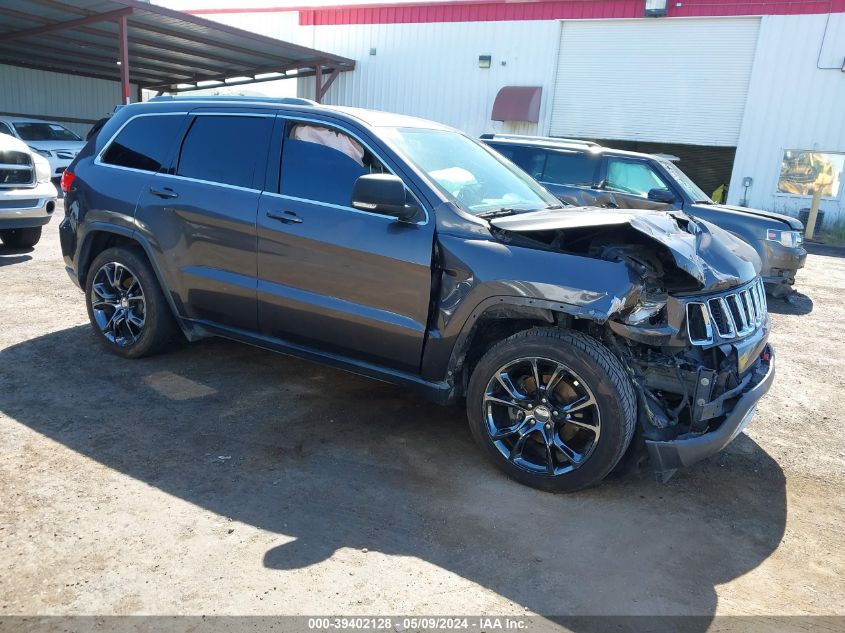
x=667 y=456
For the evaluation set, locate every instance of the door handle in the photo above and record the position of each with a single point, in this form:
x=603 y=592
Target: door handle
x=288 y=217
x=164 y=192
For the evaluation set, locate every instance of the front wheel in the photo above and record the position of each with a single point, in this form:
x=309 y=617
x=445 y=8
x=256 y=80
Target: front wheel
x=552 y=408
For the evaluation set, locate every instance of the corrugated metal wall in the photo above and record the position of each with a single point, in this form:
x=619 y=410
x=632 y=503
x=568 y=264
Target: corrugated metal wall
x=38 y=93
x=668 y=81
x=431 y=70
x=792 y=104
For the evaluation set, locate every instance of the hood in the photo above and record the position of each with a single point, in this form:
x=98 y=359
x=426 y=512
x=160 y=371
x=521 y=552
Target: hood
x=713 y=257
x=793 y=223
x=12 y=144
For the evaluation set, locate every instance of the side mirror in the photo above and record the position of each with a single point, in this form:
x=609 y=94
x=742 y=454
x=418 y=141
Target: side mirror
x=661 y=195
x=383 y=193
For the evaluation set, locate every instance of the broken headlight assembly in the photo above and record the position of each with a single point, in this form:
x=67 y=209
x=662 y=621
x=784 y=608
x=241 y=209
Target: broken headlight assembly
x=790 y=239
x=647 y=309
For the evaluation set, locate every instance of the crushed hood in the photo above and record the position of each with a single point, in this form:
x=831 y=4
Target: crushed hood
x=714 y=258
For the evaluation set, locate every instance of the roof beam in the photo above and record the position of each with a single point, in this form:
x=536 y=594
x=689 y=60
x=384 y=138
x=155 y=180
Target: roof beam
x=67 y=42
x=70 y=24
x=47 y=53
x=134 y=41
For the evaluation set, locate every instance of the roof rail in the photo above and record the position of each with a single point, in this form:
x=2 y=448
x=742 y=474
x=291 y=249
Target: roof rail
x=525 y=137
x=279 y=100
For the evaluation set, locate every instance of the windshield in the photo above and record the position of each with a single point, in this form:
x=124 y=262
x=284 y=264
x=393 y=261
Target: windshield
x=469 y=173
x=686 y=183
x=34 y=131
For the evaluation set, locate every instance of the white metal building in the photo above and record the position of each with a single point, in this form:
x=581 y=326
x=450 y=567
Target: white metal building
x=752 y=90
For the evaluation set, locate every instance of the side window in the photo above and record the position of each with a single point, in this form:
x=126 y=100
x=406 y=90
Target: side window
x=144 y=142
x=570 y=168
x=5 y=129
x=224 y=149
x=322 y=164
x=533 y=162
x=633 y=177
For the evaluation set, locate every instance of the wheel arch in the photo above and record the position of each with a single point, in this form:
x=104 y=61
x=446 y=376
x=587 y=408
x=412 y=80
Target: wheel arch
x=498 y=318
x=101 y=236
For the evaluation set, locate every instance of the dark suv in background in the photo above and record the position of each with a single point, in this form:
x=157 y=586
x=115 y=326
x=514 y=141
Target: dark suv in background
x=406 y=251
x=583 y=173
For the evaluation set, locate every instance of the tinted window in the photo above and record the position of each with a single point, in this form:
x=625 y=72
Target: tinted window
x=570 y=168
x=322 y=164
x=224 y=149
x=632 y=177
x=144 y=142
x=5 y=129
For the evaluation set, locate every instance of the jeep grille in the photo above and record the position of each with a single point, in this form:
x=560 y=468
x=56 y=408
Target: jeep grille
x=727 y=317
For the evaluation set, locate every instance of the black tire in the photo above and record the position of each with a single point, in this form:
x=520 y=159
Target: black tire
x=21 y=238
x=158 y=332
x=585 y=365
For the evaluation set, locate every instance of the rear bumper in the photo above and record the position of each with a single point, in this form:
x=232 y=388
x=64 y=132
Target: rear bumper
x=668 y=456
x=27 y=207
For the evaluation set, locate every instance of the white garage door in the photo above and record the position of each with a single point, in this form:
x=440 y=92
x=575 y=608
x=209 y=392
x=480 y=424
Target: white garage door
x=658 y=79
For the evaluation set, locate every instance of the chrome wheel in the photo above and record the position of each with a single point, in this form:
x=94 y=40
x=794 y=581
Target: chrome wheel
x=541 y=416
x=118 y=304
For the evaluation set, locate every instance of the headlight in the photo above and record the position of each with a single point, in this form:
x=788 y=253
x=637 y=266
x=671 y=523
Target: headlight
x=790 y=239
x=648 y=306
x=42 y=168
x=40 y=152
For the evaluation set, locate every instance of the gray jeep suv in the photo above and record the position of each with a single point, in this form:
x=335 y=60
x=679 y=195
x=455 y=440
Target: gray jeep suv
x=580 y=340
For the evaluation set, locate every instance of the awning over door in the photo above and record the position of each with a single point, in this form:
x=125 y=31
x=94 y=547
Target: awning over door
x=517 y=103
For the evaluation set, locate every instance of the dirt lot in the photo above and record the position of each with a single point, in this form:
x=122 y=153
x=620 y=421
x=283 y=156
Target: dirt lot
x=222 y=479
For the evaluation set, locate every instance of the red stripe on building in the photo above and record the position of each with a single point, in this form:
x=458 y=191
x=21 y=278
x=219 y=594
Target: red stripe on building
x=506 y=10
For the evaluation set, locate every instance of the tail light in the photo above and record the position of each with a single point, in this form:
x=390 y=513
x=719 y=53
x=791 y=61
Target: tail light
x=67 y=180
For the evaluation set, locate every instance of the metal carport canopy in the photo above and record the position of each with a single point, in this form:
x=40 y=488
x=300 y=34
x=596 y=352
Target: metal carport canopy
x=154 y=47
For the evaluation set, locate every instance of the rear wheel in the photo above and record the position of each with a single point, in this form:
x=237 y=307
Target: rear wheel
x=21 y=238
x=552 y=408
x=126 y=306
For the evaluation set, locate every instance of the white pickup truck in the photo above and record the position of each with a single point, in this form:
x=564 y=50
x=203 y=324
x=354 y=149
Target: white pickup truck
x=27 y=196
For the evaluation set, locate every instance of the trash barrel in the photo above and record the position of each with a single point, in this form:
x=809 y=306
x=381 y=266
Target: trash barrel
x=804 y=216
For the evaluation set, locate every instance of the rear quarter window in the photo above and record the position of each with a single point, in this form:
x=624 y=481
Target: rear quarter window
x=144 y=142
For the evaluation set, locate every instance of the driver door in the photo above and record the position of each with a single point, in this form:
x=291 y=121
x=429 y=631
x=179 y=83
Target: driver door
x=330 y=276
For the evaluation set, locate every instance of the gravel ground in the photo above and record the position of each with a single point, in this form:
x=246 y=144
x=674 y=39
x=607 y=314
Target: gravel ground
x=222 y=479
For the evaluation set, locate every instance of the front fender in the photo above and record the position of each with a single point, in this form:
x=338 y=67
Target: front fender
x=478 y=275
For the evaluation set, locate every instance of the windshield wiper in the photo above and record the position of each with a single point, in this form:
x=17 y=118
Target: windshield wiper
x=499 y=213
x=703 y=202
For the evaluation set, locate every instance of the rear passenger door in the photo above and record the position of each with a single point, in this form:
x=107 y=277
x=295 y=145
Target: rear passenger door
x=570 y=175
x=330 y=276
x=200 y=216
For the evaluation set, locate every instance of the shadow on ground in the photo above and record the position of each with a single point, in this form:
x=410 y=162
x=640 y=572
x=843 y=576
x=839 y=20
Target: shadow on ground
x=9 y=256
x=796 y=303
x=335 y=461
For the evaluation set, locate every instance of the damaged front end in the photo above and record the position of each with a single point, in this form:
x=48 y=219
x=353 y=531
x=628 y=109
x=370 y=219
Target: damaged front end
x=692 y=333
